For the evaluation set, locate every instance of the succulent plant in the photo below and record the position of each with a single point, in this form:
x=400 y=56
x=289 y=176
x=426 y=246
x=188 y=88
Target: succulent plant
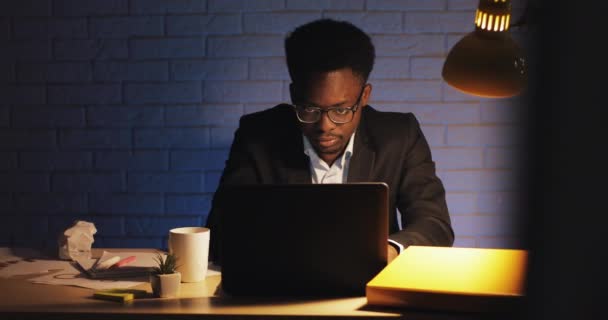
x=165 y=265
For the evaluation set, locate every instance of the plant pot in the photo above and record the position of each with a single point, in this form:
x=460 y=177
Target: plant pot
x=165 y=285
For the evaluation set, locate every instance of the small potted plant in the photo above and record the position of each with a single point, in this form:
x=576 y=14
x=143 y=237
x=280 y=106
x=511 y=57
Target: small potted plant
x=165 y=280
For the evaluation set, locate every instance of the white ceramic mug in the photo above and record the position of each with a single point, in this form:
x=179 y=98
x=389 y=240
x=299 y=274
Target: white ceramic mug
x=191 y=247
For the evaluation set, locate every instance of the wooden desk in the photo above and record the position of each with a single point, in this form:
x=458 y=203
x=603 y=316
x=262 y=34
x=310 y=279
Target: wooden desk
x=21 y=299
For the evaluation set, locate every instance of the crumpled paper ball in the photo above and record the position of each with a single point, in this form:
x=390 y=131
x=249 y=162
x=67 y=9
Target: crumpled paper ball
x=76 y=241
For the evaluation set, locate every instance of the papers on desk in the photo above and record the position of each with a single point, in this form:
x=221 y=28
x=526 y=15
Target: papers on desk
x=72 y=276
x=23 y=261
x=142 y=265
x=17 y=262
x=83 y=273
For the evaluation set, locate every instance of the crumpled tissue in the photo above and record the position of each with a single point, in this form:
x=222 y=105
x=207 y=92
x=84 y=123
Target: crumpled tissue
x=76 y=241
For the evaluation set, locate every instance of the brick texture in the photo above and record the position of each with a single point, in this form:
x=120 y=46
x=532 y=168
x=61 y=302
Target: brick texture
x=7 y=72
x=125 y=27
x=209 y=69
x=245 y=5
x=88 y=50
x=90 y=7
x=135 y=71
x=122 y=112
x=8 y=160
x=405 y=5
x=26 y=8
x=372 y=22
x=265 y=23
x=124 y=116
x=4 y=117
x=325 y=4
x=55 y=72
x=180 y=92
x=57 y=117
x=126 y=204
x=145 y=7
x=183 y=25
x=205 y=115
x=36 y=27
x=55 y=161
x=166 y=48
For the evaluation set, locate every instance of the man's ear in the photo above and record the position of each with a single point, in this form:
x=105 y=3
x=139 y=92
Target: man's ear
x=366 y=94
x=292 y=93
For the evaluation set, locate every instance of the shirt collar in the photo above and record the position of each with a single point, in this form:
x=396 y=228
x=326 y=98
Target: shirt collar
x=348 y=152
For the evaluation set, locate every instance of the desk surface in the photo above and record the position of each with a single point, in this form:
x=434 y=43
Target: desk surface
x=22 y=299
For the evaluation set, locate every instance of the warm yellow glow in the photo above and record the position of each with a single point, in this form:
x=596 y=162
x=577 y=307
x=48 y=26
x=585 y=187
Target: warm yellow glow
x=492 y=22
x=456 y=270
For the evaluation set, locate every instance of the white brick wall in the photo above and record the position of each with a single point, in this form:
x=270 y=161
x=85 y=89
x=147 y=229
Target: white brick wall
x=133 y=94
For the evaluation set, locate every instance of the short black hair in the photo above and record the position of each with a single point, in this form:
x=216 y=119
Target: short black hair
x=326 y=45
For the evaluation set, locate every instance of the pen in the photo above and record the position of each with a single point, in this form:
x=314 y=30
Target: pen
x=107 y=263
x=123 y=262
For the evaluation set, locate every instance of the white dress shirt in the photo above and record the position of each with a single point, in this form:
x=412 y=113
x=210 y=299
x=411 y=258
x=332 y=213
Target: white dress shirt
x=321 y=172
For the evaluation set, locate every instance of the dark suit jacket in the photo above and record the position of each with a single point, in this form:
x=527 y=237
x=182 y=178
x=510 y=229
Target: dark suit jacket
x=389 y=147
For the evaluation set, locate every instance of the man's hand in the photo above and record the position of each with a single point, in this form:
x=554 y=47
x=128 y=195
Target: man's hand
x=392 y=253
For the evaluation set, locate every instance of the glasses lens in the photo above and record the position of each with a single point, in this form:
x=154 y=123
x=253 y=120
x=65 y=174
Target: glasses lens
x=340 y=115
x=308 y=114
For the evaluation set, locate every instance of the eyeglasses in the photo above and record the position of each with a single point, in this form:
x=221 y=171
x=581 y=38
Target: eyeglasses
x=338 y=115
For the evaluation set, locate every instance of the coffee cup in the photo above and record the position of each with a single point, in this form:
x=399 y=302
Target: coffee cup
x=191 y=247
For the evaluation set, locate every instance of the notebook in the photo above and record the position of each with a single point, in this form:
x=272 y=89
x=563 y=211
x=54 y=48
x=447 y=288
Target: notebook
x=143 y=264
x=302 y=239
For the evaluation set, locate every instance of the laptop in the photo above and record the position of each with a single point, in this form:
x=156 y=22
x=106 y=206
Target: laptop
x=302 y=239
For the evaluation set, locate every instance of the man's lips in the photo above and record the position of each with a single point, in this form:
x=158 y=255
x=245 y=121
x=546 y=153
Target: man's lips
x=326 y=141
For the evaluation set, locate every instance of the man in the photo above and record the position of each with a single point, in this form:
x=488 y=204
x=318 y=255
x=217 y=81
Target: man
x=331 y=135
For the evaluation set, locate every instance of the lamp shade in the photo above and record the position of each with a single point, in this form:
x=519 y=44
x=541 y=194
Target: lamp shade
x=487 y=62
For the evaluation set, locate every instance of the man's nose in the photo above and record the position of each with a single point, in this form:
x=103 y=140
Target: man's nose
x=325 y=124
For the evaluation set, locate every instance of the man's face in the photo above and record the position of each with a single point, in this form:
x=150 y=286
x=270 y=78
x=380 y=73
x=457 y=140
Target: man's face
x=339 y=88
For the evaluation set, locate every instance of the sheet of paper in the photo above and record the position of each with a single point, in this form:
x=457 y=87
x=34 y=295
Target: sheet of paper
x=148 y=259
x=142 y=259
x=73 y=277
x=129 y=270
x=34 y=267
x=23 y=261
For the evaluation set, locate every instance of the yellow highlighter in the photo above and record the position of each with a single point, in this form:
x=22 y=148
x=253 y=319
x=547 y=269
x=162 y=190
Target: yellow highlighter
x=119 y=295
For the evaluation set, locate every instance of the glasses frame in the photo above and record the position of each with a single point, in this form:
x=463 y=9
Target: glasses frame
x=320 y=111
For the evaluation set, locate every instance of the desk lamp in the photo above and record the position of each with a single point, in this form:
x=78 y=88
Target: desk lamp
x=487 y=62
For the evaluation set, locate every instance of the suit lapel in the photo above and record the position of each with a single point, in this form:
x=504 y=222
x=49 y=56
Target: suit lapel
x=364 y=155
x=296 y=162
x=298 y=170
